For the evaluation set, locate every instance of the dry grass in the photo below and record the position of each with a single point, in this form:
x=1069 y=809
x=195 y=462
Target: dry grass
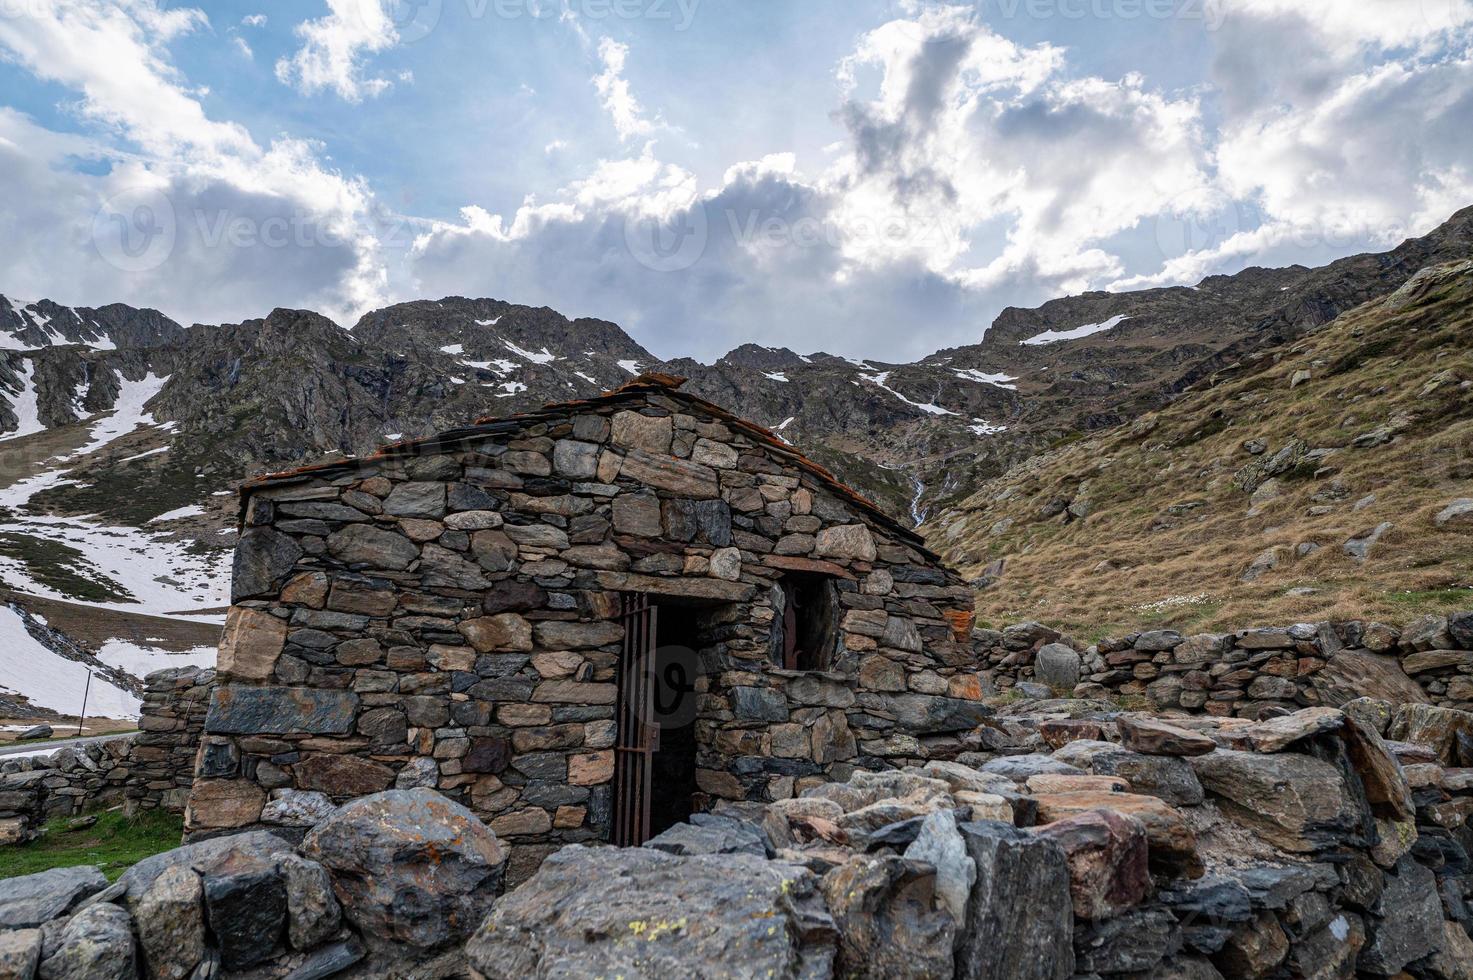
x=1185 y=570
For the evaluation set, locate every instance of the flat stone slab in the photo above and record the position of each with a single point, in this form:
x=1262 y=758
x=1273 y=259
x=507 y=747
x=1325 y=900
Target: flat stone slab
x=30 y=900
x=237 y=710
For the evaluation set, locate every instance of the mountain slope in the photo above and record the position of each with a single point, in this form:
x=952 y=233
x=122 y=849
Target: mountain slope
x=1255 y=497
x=123 y=433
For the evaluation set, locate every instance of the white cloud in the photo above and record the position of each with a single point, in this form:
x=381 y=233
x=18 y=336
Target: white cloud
x=254 y=20
x=244 y=48
x=333 y=47
x=218 y=223
x=623 y=108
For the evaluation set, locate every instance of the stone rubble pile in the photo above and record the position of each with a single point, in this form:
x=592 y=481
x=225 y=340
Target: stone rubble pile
x=1245 y=673
x=1088 y=844
x=154 y=768
x=389 y=885
x=1083 y=843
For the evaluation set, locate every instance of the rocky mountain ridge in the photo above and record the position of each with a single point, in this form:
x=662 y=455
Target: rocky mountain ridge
x=122 y=419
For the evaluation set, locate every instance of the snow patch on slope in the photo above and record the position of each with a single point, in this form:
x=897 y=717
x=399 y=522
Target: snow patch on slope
x=1055 y=336
x=29 y=668
x=26 y=405
x=928 y=407
x=983 y=377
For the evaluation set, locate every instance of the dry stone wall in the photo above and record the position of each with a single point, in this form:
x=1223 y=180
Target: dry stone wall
x=446 y=615
x=1250 y=671
x=154 y=768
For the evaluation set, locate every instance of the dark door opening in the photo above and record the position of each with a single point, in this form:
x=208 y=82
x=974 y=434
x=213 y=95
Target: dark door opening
x=655 y=755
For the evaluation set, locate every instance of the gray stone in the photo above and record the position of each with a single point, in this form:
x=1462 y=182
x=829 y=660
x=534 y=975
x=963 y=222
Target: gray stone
x=20 y=953
x=409 y=866
x=236 y=710
x=171 y=924
x=713 y=835
x=363 y=544
x=1457 y=514
x=299 y=808
x=329 y=961
x=926 y=714
x=758 y=704
x=638 y=912
x=1057 y=665
x=885 y=910
x=31 y=900
x=1158 y=640
x=245 y=905
x=575 y=459
x=1019 y=767
x=846 y=541
x=95 y=944
x=1295 y=802
x=255 y=846
x=1135 y=942
x=313 y=913
x=1020 y=919
x=1361 y=545
x=939 y=843
x=1411 y=925
x=1168 y=778
x=262 y=558
x=419 y=772
x=422 y=500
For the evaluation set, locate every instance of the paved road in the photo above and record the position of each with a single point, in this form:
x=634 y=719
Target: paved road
x=26 y=748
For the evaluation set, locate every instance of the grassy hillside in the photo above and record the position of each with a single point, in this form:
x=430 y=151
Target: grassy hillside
x=1233 y=505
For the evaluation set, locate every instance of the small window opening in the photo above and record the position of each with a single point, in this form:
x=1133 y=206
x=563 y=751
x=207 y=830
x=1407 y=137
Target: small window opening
x=805 y=631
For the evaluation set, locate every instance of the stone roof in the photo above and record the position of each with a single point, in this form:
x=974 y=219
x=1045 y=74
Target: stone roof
x=636 y=390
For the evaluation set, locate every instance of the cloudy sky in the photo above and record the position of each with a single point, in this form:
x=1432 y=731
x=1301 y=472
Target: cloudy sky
x=869 y=177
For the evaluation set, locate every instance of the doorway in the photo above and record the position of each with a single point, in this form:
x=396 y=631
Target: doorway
x=655 y=755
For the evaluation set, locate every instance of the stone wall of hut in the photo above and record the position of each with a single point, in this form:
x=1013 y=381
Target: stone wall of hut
x=447 y=614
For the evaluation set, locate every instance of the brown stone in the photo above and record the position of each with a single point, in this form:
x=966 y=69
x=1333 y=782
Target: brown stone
x=667 y=473
x=1277 y=734
x=219 y=804
x=1107 y=855
x=1152 y=736
x=1058 y=733
x=637 y=514
x=847 y=541
x=505 y=632
x=591 y=768
x=880 y=673
x=522 y=823
x=1255 y=948
x=555 y=635
x=574 y=692
x=1385 y=784
x=308 y=589
x=793 y=563
x=1057 y=782
x=1433 y=726
x=342 y=776
x=1290 y=800
x=1173 y=843
x=635 y=430
x=250 y=645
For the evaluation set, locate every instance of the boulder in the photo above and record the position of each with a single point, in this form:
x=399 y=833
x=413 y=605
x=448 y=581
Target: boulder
x=20 y=953
x=262 y=558
x=1411 y=926
x=1019 y=767
x=1151 y=736
x=31 y=900
x=313 y=913
x=1136 y=942
x=1107 y=856
x=638 y=912
x=1357 y=673
x=709 y=834
x=1381 y=774
x=35 y=732
x=1361 y=544
x=259 y=845
x=1057 y=665
x=1436 y=727
x=1295 y=802
x=1163 y=776
x=1020 y=916
x=171 y=924
x=409 y=866
x=939 y=843
x=94 y=944
x=1277 y=734
x=1255 y=948
x=1173 y=843
x=245 y=905
x=886 y=911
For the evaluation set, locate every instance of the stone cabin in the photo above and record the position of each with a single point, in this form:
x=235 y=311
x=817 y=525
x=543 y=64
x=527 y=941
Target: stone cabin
x=585 y=623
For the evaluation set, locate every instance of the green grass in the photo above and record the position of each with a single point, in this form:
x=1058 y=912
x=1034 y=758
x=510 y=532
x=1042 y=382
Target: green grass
x=1434 y=600
x=115 y=843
